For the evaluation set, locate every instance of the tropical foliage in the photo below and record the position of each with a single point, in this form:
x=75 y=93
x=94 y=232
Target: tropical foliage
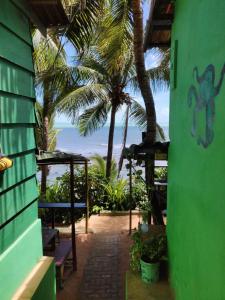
x=104 y=194
x=98 y=83
x=107 y=37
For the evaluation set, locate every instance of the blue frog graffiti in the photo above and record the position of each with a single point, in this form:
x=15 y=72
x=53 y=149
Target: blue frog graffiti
x=202 y=99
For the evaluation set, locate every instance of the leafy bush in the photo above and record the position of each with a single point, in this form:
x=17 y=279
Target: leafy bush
x=161 y=173
x=59 y=191
x=151 y=250
x=135 y=251
x=154 y=248
x=116 y=195
x=104 y=194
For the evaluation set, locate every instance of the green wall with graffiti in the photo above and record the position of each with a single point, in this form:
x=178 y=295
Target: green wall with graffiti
x=196 y=194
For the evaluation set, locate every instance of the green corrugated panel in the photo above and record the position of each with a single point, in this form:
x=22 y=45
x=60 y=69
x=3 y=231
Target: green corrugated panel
x=16 y=80
x=15 y=20
x=17 y=198
x=20 y=53
x=16 y=109
x=17 y=139
x=19 y=259
x=14 y=229
x=23 y=167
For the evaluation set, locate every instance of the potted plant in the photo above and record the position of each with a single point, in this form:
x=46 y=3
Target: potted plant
x=153 y=249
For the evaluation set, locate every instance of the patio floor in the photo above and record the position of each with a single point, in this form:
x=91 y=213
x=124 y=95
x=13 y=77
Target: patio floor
x=103 y=259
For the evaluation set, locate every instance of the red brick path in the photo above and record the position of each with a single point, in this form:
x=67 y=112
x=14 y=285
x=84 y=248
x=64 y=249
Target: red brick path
x=103 y=258
x=102 y=274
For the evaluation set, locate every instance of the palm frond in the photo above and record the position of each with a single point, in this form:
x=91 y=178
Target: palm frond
x=94 y=118
x=160 y=135
x=138 y=115
x=99 y=163
x=83 y=24
x=118 y=33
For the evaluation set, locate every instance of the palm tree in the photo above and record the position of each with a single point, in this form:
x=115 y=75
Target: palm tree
x=147 y=95
x=49 y=54
x=102 y=90
x=40 y=130
x=100 y=78
x=128 y=14
x=46 y=57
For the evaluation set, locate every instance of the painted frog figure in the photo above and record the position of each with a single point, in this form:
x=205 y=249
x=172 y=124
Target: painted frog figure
x=204 y=97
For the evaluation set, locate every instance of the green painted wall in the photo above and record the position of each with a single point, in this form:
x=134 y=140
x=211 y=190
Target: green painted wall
x=47 y=288
x=20 y=237
x=196 y=194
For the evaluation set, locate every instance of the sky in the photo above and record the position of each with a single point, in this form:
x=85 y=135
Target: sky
x=161 y=98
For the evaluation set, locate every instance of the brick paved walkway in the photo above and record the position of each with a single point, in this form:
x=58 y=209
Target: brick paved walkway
x=103 y=259
x=103 y=278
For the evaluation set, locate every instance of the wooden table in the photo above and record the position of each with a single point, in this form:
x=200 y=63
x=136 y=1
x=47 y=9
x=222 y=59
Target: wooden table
x=53 y=205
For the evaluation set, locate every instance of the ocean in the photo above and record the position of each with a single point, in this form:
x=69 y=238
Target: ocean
x=69 y=140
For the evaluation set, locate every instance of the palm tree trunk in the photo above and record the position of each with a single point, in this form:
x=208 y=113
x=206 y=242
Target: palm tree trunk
x=120 y=165
x=148 y=99
x=44 y=169
x=110 y=141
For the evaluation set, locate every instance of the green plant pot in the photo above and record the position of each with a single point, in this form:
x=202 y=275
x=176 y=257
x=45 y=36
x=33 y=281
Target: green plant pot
x=149 y=272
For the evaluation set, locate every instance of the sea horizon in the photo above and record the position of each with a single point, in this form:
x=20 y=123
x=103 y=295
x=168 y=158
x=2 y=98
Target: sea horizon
x=70 y=140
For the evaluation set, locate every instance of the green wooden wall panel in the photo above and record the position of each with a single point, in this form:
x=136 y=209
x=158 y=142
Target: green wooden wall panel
x=19 y=260
x=14 y=229
x=15 y=20
x=17 y=198
x=15 y=50
x=23 y=167
x=17 y=139
x=16 y=80
x=16 y=110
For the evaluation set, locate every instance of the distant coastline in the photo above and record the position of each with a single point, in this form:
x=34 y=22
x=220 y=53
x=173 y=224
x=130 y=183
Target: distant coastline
x=69 y=125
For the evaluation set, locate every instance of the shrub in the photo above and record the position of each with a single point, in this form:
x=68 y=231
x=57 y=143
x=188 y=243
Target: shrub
x=104 y=194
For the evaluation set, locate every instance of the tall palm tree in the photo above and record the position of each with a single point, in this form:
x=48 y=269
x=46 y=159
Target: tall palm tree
x=40 y=130
x=128 y=14
x=102 y=90
x=46 y=57
x=147 y=95
x=100 y=78
x=49 y=54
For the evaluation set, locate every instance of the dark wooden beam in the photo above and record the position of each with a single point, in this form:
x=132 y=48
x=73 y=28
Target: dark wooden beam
x=159 y=45
x=161 y=25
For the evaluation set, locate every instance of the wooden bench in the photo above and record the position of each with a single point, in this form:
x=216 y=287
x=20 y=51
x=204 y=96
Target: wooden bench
x=62 y=252
x=48 y=237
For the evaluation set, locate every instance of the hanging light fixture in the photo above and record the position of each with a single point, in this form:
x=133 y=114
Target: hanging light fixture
x=5 y=162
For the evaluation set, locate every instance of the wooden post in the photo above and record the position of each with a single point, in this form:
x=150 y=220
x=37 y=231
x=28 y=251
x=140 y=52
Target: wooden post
x=53 y=217
x=131 y=196
x=86 y=196
x=72 y=200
